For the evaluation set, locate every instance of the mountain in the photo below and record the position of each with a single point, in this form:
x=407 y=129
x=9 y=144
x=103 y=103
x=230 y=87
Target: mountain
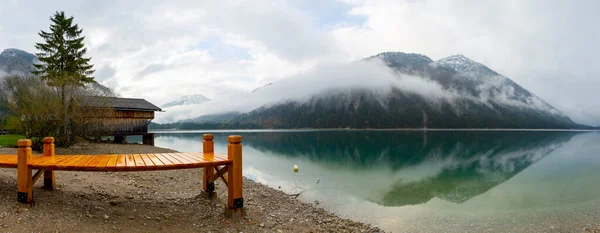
x=186 y=100
x=18 y=62
x=15 y=61
x=470 y=95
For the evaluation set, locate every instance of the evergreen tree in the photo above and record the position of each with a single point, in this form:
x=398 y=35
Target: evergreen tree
x=63 y=66
x=62 y=55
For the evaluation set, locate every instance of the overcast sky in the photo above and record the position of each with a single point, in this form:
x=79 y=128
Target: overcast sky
x=161 y=50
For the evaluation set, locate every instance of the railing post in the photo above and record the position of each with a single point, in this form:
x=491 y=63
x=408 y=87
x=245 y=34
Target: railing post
x=208 y=149
x=24 y=183
x=49 y=178
x=235 y=202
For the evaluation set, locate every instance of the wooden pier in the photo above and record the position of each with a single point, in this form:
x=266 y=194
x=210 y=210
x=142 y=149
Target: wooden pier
x=216 y=166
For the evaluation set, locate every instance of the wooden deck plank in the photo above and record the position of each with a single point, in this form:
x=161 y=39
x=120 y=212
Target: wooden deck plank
x=164 y=160
x=7 y=158
x=59 y=160
x=112 y=162
x=130 y=162
x=149 y=164
x=216 y=157
x=8 y=161
x=139 y=162
x=41 y=160
x=47 y=162
x=76 y=159
x=186 y=161
x=92 y=164
x=81 y=163
x=121 y=163
x=221 y=157
x=196 y=158
x=209 y=157
x=175 y=160
x=102 y=164
x=157 y=162
x=181 y=158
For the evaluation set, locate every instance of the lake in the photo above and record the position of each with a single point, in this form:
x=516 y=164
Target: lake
x=427 y=181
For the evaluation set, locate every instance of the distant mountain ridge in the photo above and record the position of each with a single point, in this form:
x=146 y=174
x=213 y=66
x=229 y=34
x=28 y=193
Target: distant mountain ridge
x=18 y=62
x=15 y=61
x=186 y=100
x=477 y=97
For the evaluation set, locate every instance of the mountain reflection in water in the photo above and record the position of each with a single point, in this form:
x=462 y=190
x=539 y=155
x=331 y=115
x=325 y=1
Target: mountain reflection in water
x=467 y=163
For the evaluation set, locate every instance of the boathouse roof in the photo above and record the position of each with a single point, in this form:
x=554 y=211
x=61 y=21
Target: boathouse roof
x=120 y=104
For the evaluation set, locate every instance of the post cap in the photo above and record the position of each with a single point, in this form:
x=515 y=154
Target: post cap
x=208 y=137
x=24 y=143
x=48 y=140
x=235 y=139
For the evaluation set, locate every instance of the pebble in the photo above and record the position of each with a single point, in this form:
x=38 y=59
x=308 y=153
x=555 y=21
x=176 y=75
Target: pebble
x=114 y=202
x=106 y=217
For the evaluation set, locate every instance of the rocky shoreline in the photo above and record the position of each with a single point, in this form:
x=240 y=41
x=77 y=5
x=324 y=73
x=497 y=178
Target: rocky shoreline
x=156 y=201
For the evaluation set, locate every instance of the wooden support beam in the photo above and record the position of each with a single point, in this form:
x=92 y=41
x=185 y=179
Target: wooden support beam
x=36 y=176
x=219 y=174
x=49 y=176
x=235 y=202
x=24 y=184
x=208 y=185
x=223 y=177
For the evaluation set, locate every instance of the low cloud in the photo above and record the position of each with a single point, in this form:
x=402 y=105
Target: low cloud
x=343 y=78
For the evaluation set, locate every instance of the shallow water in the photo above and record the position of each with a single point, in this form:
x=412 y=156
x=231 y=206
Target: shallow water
x=407 y=181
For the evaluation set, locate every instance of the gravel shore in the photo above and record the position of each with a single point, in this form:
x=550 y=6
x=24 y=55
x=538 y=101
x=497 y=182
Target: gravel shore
x=155 y=201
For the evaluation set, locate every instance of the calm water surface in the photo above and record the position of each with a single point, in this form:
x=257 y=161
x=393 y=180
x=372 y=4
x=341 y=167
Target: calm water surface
x=411 y=181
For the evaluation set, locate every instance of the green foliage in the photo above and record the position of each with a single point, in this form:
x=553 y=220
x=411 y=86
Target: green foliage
x=13 y=124
x=10 y=140
x=62 y=54
x=4 y=111
x=35 y=105
x=37 y=111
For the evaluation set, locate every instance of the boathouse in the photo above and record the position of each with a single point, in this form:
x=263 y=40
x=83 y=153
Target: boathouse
x=120 y=117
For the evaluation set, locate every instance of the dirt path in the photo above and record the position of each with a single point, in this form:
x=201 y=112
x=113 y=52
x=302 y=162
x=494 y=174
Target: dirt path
x=156 y=201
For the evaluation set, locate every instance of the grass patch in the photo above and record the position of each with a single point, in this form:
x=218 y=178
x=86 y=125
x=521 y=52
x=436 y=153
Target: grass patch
x=10 y=140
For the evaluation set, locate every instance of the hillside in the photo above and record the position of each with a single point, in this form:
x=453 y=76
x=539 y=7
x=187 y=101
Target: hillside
x=471 y=95
x=14 y=61
x=19 y=62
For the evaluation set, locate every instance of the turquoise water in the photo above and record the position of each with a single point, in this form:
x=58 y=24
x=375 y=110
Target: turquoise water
x=407 y=181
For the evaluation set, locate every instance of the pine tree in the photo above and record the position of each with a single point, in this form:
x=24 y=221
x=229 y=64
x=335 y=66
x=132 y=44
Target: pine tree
x=63 y=65
x=62 y=55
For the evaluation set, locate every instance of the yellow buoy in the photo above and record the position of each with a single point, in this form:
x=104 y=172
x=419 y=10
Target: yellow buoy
x=295 y=168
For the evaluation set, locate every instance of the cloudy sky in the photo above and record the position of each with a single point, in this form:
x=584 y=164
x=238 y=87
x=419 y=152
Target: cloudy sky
x=161 y=50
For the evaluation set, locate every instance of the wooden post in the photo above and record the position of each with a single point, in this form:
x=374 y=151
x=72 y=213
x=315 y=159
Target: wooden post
x=235 y=202
x=148 y=139
x=49 y=178
x=208 y=149
x=120 y=139
x=24 y=194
